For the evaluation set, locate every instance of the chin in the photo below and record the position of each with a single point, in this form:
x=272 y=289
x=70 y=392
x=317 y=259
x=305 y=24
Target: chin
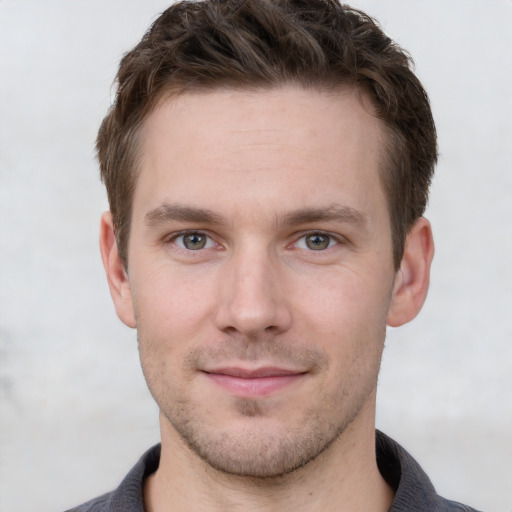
x=255 y=445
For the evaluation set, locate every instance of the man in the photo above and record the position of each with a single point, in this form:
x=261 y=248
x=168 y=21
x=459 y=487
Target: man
x=267 y=166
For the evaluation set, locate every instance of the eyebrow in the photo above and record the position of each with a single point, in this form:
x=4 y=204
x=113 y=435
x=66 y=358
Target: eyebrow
x=167 y=212
x=334 y=212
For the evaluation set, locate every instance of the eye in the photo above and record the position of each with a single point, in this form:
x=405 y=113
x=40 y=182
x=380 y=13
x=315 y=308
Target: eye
x=194 y=241
x=316 y=242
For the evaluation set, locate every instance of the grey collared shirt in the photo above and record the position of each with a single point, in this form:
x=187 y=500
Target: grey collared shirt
x=413 y=490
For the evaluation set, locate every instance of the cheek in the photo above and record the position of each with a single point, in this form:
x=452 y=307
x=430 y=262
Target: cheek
x=171 y=301
x=347 y=316
x=170 y=309
x=344 y=299
x=168 y=317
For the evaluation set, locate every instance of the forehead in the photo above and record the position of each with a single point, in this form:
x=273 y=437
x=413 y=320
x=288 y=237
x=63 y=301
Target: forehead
x=287 y=144
x=290 y=110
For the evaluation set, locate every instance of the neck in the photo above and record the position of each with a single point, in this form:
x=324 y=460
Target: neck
x=344 y=478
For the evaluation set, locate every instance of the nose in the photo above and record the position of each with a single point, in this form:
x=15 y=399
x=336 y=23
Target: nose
x=252 y=298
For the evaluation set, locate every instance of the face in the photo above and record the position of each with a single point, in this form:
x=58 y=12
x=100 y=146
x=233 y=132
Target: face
x=260 y=272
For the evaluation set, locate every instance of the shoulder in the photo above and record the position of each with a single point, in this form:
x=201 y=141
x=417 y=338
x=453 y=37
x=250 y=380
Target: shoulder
x=129 y=496
x=453 y=506
x=414 y=491
x=99 y=504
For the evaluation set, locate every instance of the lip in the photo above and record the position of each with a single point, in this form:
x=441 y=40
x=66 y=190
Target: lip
x=254 y=383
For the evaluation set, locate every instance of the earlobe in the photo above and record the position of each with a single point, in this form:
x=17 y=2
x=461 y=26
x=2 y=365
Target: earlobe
x=413 y=277
x=117 y=277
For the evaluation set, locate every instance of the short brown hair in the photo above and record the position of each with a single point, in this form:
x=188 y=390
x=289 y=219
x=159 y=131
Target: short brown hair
x=204 y=45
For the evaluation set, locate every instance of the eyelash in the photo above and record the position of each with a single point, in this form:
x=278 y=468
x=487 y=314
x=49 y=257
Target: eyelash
x=182 y=234
x=333 y=240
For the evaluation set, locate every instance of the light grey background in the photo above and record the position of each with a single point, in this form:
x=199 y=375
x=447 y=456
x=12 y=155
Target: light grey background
x=74 y=411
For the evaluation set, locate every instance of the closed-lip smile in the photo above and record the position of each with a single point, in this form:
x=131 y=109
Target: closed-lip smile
x=253 y=383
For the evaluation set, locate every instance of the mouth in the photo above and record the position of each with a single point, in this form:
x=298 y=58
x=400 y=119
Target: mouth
x=254 y=383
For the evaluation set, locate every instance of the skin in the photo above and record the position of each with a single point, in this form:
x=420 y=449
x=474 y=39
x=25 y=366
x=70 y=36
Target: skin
x=262 y=347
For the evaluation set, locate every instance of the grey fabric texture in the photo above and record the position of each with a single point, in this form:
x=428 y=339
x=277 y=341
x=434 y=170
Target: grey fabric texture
x=413 y=490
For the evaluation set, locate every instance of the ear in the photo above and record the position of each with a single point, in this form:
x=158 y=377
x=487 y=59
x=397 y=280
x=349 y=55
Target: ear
x=413 y=277
x=117 y=276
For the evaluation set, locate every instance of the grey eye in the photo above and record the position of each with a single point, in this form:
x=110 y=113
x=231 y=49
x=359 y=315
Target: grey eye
x=317 y=241
x=194 y=241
